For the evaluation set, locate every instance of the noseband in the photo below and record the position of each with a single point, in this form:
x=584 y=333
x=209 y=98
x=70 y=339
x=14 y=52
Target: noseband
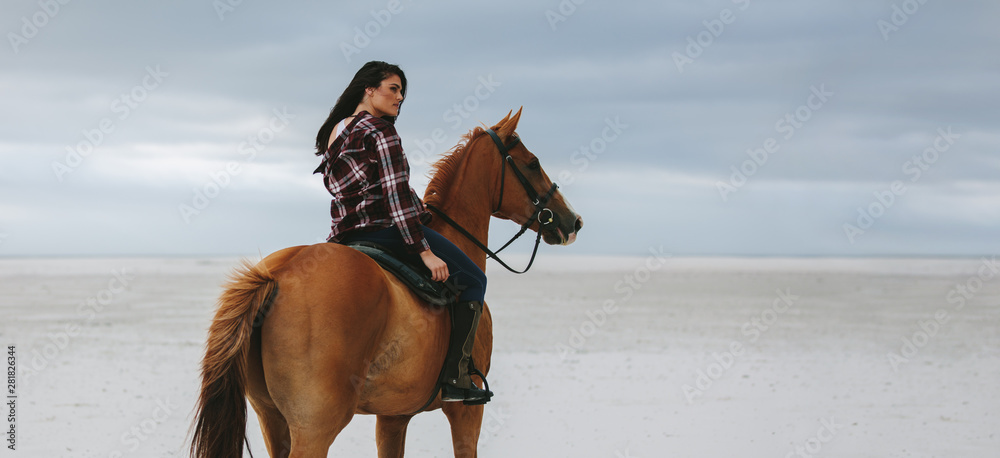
x=542 y=213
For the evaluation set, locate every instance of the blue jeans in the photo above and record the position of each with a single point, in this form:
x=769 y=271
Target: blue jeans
x=466 y=272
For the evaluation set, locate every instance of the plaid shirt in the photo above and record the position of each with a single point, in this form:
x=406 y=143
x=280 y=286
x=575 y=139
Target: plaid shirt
x=368 y=175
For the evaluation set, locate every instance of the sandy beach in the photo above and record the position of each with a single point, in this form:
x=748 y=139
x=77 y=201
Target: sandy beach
x=594 y=357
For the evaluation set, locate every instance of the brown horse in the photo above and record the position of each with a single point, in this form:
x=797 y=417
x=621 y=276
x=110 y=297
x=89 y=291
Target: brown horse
x=313 y=335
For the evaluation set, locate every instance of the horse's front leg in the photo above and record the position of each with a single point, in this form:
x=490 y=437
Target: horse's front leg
x=390 y=435
x=466 y=421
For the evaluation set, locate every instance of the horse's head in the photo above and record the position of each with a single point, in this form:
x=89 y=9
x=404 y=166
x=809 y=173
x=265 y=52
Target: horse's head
x=524 y=192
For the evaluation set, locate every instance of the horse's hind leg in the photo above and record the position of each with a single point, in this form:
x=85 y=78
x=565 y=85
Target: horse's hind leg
x=390 y=435
x=313 y=437
x=316 y=411
x=466 y=422
x=277 y=437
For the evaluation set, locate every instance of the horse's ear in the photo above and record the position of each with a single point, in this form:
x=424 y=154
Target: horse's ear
x=503 y=121
x=508 y=125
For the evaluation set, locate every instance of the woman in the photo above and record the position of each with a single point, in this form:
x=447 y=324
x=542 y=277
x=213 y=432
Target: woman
x=365 y=170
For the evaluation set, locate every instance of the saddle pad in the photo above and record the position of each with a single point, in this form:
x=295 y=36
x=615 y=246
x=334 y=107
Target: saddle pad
x=435 y=293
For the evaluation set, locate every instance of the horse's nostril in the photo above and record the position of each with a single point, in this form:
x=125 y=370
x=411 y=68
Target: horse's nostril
x=579 y=223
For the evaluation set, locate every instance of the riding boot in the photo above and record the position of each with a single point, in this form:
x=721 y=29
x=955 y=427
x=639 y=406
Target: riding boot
x=458 y=384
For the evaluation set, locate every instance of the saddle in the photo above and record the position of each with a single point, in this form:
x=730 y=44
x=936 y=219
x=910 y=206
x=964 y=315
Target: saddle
x=414 y=275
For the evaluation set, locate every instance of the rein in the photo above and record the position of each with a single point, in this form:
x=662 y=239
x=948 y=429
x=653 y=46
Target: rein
x=539 y=202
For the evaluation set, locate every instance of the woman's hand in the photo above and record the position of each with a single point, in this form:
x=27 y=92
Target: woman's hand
x=439 y=270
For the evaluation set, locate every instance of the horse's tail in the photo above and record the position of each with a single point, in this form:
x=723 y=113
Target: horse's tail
x=221 y=413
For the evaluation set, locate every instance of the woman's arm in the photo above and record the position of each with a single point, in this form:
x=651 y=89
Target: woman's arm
x=394 y=176
x=438 y=268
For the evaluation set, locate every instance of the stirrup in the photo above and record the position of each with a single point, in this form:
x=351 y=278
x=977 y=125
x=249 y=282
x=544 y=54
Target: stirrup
x=468 y=396
x=487 y=394
x=451 y=393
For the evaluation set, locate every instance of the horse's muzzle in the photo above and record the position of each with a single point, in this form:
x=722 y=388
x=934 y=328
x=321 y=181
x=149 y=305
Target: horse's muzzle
x=565 y=236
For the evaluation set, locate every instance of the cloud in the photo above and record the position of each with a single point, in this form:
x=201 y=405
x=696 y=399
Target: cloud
x=573 y=67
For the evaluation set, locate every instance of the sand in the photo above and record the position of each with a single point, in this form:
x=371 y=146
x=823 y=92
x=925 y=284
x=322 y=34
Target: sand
x=594 y=357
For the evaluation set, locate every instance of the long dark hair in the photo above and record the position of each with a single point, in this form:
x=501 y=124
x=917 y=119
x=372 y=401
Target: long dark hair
x=370 y=75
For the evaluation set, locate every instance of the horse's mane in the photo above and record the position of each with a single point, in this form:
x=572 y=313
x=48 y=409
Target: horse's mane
x=443 y=171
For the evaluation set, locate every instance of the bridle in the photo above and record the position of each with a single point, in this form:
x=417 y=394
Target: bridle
x=540 y=202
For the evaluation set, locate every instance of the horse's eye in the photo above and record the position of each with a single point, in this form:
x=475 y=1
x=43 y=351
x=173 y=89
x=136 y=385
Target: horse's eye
x=534 y=165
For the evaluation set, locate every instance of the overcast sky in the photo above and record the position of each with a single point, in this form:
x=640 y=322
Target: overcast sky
x=725 y=127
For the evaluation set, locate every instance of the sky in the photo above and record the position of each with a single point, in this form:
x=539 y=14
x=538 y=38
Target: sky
x=723 y=127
